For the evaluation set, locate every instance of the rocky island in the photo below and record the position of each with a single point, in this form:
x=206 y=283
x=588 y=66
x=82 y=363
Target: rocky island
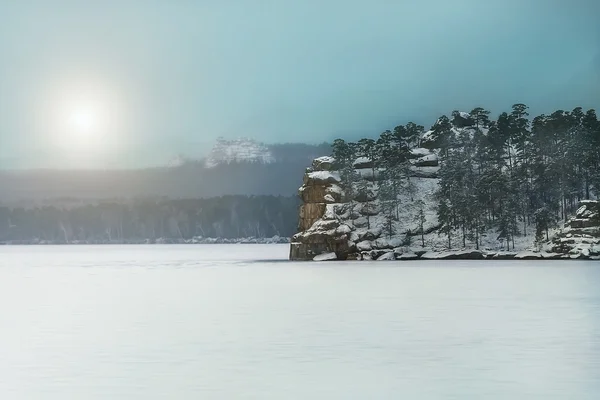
x=468 y=188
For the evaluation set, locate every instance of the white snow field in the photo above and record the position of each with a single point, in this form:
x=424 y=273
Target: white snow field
x=233 y=322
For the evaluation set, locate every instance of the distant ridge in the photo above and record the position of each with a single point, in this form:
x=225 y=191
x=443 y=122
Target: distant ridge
x=242 y=150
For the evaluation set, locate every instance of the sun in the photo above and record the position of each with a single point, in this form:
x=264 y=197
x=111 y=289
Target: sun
x=82 y=121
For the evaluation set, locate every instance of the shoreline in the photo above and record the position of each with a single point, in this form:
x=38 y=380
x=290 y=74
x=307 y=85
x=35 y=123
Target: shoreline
x=475 y=255
x=160 y=241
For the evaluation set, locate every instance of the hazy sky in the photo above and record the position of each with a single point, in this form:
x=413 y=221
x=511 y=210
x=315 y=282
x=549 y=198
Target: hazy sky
x=148 y=79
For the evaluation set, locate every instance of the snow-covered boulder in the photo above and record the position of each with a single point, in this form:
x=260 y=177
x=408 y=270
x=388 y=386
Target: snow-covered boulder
x=326 y=257
x=408 y=256
x=381 y=243
x=369 y=234
x=504 y=255
x=365 y=245
x=389 y=256
x=363 y=163
x=429 y=160
x=323 y=163
x=581 y=236
x=370 y=209
x=322 y=177
x=528 y=255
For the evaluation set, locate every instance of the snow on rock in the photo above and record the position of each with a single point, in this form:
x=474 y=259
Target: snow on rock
x=394 y=242
x=432 y=255
x=370 y=209
x=429 y=160
x=325 y=163
x=382 y=243
x=329 y=198
x=369 y=234
x=343 y=229
x=551 y=256
x=427 y=137
x=465 y=115
x=389 y=256
x=321 y=177
x=362 y=162
x=325 y=257
x=418 y=152
x=503 y=255
x=366 y=256
x=408 y=256
x=365 y=245
x=527 y=255
x=581 y=236
x=334 y=189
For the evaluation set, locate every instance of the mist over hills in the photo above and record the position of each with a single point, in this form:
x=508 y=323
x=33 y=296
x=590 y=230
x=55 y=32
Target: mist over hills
x=230 y=169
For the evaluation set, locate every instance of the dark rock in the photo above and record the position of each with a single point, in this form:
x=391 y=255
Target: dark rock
x=375 y=254
x=365 y=196
x=370 y=209
x=370 y=235
x=363 y=163
x=427 y=163
x=423 y=174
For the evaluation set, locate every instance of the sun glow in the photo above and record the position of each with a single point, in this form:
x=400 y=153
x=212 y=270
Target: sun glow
x=84 y=121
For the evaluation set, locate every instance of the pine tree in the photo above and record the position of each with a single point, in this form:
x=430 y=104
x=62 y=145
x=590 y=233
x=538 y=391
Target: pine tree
x=445 y=219
x=480 y=117
x=420 y=220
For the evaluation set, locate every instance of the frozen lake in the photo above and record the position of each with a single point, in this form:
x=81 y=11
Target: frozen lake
x=231 y=322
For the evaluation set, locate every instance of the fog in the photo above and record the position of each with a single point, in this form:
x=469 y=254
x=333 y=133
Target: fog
x=175 y=75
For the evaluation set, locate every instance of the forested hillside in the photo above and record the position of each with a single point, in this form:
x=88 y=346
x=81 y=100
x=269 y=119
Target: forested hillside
x=499 y=179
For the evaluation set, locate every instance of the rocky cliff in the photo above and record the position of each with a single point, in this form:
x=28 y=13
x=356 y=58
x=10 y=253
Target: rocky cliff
x=334 y=225
x=320 y=231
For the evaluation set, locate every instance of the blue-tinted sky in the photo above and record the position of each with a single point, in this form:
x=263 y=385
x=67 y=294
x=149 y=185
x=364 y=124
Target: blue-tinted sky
x=170 y=76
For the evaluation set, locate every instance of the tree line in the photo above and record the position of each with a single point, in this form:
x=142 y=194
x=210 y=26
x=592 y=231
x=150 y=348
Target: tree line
x=515 y=172
x=511 y=174
x=150 y=219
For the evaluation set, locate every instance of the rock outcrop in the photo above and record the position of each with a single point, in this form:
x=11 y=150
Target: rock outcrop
x=351 y=228
x=320 y=231
x=580 y=238
x=333 y=225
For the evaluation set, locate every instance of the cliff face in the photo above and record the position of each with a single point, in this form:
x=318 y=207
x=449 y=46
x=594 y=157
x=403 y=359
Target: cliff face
x=357 y=227
x=320 y=231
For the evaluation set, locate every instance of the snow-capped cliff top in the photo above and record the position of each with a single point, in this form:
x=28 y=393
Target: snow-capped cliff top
x=238 y=150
